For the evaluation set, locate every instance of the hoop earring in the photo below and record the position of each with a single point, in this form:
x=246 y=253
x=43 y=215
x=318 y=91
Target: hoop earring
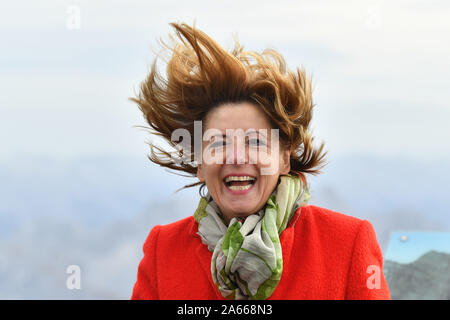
x=202 y=188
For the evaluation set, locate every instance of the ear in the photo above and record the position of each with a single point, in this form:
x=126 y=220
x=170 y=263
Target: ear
x=200 y=173
x=285 y=162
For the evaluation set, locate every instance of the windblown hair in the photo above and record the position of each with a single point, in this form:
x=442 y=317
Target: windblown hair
x=201 y=75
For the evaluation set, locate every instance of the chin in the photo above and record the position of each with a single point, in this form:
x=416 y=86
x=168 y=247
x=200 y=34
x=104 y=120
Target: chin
x=239 y=210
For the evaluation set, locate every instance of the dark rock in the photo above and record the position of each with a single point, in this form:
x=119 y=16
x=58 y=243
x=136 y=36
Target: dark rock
x=426 y=278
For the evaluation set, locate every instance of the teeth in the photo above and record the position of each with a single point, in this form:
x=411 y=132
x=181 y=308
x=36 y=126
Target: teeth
x=240 y=187
x=240 y=178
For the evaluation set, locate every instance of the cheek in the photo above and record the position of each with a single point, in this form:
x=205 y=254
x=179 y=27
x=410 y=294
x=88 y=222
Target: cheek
x=269 y=181
x=267 y=184
x=213 y=156
x=212 y=174
x=265 y=160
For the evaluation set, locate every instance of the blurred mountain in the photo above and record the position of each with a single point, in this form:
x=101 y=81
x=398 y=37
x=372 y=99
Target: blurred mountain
x=94 y=190
x=426 y=278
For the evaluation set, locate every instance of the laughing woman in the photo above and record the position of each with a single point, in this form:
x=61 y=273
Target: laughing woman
x=253 y=235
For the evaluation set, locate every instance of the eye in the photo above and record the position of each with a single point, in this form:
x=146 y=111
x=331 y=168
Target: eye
x=256 y=142
x=217 y=144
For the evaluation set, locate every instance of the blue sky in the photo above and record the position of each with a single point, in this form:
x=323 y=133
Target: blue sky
x=408 y=246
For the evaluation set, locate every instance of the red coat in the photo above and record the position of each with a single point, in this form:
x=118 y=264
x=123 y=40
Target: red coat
x=326 y=255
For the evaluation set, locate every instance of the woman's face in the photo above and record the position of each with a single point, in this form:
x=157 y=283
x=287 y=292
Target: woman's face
x=242 y=159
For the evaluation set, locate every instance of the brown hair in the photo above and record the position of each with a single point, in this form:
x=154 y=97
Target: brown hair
x=201 y=75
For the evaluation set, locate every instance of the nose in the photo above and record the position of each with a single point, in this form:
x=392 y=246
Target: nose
x=236 y=152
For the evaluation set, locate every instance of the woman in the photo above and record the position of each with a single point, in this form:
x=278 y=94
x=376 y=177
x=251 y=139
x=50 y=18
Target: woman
x=252 y=236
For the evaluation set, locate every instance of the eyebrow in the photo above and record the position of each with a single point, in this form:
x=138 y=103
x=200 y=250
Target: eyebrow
x=249 y=131
x=258 y=132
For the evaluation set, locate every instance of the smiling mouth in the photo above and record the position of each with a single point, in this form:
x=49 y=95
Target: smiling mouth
x=239 y=183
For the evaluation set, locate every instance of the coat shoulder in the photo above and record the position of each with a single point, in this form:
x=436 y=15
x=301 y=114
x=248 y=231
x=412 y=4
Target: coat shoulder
x=178 y=226
x=327 y=216
x=332 y=223
x=177 y=231
x=347 y=243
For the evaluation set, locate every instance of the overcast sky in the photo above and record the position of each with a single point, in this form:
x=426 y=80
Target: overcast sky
x=379 y=69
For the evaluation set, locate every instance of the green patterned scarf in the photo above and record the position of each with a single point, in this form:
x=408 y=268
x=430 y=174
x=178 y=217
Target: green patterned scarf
x=247 y=261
